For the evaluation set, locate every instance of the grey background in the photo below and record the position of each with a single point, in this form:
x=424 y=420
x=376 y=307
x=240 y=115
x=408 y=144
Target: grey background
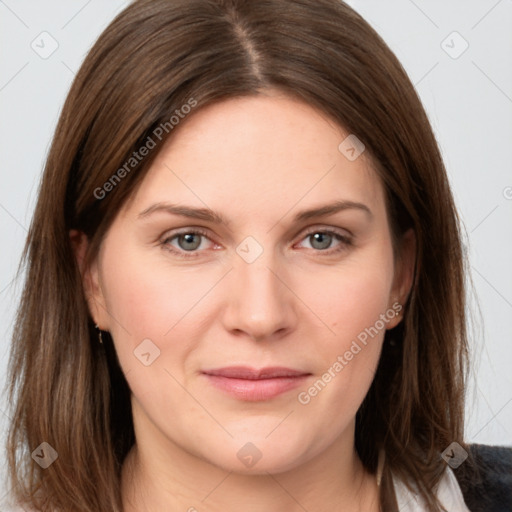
x=468 y=98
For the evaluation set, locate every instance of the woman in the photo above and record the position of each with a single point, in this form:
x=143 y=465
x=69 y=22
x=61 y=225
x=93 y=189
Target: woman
x=245 y=282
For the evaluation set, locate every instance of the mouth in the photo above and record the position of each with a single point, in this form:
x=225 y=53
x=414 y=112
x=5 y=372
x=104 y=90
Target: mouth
x=250 y=384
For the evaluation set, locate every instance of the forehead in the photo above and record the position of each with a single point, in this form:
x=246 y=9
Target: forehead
x=259 y=155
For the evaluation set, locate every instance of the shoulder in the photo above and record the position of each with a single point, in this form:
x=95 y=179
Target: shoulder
x=487 y=487
x=447 y=491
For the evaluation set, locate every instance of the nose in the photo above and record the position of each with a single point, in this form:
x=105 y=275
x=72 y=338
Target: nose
x=260 y=305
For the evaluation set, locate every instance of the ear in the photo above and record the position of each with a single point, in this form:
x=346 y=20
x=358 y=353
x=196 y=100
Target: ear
x=90 y=279
x=404 y=276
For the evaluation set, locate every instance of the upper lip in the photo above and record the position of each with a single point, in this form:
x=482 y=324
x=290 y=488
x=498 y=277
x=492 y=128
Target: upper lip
x=245 y=372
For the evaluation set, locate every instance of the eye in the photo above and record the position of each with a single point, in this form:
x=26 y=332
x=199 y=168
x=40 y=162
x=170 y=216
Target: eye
x=186 y=242
x=323 y=240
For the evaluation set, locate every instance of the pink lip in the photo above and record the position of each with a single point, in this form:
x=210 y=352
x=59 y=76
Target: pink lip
x=251 y=384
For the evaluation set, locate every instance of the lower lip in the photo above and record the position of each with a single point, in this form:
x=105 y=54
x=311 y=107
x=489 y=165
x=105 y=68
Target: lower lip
x=255 y=390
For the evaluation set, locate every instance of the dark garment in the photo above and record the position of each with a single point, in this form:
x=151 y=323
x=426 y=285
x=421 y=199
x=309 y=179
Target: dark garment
x=486 y=485
x=489 y=489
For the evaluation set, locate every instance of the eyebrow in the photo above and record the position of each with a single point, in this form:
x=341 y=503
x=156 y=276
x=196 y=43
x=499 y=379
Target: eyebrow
x=209 y=215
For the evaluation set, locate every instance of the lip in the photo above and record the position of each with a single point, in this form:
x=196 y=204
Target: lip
x=251 y=384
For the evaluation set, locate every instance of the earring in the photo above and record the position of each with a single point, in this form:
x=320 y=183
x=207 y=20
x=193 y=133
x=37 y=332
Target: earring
x=99 y=333
x=380 y=465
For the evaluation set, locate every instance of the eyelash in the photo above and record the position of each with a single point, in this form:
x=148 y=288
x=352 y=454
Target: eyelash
x=346 y=241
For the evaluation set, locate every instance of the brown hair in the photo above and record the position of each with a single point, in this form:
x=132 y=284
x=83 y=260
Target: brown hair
x=154 y=58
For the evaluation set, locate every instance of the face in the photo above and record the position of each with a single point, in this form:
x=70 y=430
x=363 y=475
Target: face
x=248 y=285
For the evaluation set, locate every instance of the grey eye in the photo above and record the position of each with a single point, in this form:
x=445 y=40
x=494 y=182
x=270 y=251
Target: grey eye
x=320 y=240
x=187 y=243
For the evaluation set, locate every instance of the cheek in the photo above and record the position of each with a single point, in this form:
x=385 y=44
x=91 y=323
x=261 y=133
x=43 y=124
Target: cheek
x=353 y=301
x=149 y=293
x=162 y=304
x=348 y=359
x=152 y=300
x=350 y=297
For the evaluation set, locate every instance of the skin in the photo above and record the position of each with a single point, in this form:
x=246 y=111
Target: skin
x=257 y=161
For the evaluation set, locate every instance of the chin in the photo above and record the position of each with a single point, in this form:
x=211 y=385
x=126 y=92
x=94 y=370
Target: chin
x=259 y=455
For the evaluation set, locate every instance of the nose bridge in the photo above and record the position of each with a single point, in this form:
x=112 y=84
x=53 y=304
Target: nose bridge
x=260 y=304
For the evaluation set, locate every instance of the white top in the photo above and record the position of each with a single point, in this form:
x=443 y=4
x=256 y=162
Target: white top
x=448 y=492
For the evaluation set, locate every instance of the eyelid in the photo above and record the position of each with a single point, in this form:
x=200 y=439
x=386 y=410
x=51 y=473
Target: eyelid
x=183 y=231
x=345 y=238
x=164 y=241
x=331 y=229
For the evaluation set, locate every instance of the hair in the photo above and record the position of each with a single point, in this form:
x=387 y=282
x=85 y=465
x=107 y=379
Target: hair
x=154 y=58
